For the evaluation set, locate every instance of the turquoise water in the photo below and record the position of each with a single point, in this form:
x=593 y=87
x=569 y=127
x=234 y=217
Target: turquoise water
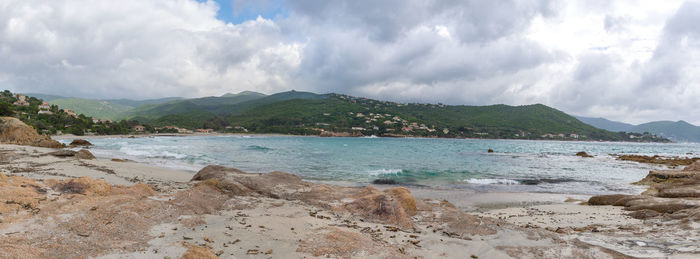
x=516 y=165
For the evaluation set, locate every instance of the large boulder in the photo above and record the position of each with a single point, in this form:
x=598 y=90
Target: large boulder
x=80 y=143
x=84 y=154
x=14 y=131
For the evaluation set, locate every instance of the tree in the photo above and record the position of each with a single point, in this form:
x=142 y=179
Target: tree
x=6 y=110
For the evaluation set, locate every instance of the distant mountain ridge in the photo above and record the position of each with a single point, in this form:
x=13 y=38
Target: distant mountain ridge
x=679 y=131
x=112 y=109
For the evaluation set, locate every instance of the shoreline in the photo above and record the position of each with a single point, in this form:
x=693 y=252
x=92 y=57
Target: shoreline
x=146 y=135
x=499 y=225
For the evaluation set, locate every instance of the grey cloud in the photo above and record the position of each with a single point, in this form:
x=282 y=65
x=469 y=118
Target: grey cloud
x=615 y=23
x=355 y=44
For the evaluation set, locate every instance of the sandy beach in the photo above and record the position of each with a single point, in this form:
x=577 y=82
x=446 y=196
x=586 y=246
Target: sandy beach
x=154 y=212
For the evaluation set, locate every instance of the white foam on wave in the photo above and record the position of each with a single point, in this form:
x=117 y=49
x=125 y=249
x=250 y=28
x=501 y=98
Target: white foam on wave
x=384 y=172
x=146 y=152
x=488 y=181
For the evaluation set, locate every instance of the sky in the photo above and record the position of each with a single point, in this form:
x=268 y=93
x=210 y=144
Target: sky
x=631 y=61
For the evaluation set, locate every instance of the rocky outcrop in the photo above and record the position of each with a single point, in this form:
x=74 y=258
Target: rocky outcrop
x=395 y=206
x=671 y=194
x=660 y=160
x=14 y=131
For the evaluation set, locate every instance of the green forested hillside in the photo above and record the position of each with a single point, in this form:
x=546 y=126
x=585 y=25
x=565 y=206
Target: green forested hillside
x=339 y=113
x=306 y=113
x=54 y=120
x=94 y=108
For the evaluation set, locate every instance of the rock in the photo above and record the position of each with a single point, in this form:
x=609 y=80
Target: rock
x=199 y=252
x=669 y=161
x=671 y=194
x=81 y=154
x=393 y=207
x=80 y=143
x=693 y=167
x=84 y=154
x=384 y=181
x=14 y=131
x=490 y=150
x=379 y=207
x=644 y=214
x=610 y=199
x=681 y=192
x=338 y=243
x=405 y=198
x=583 y=154
x=84 y=185
x=63 y=153
x=656 y=177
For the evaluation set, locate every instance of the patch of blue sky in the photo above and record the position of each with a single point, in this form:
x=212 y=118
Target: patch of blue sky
x=240 y=11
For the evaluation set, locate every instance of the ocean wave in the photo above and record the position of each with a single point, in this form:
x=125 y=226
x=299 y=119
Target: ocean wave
x=488 y=181
x=258 y=148
x=379 y=172
x=151 y=153
x=539 y=181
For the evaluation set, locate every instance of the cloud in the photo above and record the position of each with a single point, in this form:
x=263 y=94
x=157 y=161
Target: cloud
x=137 y=49
x=626 y=60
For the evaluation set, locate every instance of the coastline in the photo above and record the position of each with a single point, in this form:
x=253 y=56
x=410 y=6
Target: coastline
x=146 y=135
x=559 y=224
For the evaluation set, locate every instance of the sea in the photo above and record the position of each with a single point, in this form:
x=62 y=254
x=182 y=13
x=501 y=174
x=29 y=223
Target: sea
x=514 y=166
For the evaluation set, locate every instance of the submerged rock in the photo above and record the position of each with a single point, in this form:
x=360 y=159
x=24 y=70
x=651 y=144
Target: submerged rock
x=583 y=154
x=14 y=131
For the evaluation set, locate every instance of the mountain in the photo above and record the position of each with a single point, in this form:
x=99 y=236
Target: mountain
x=249 y=93
x=342 y=113
x=137 y=103
x=679 y=131
x=306 y=113
x=112 y=109
x=606 y=124
x=93 y=108
x=45 y=97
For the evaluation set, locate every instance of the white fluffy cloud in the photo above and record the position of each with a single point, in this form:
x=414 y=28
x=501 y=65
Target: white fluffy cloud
x=138 y=49
x=626 y=60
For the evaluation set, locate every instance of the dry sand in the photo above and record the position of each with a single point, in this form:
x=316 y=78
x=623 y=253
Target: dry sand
x=182 y=220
